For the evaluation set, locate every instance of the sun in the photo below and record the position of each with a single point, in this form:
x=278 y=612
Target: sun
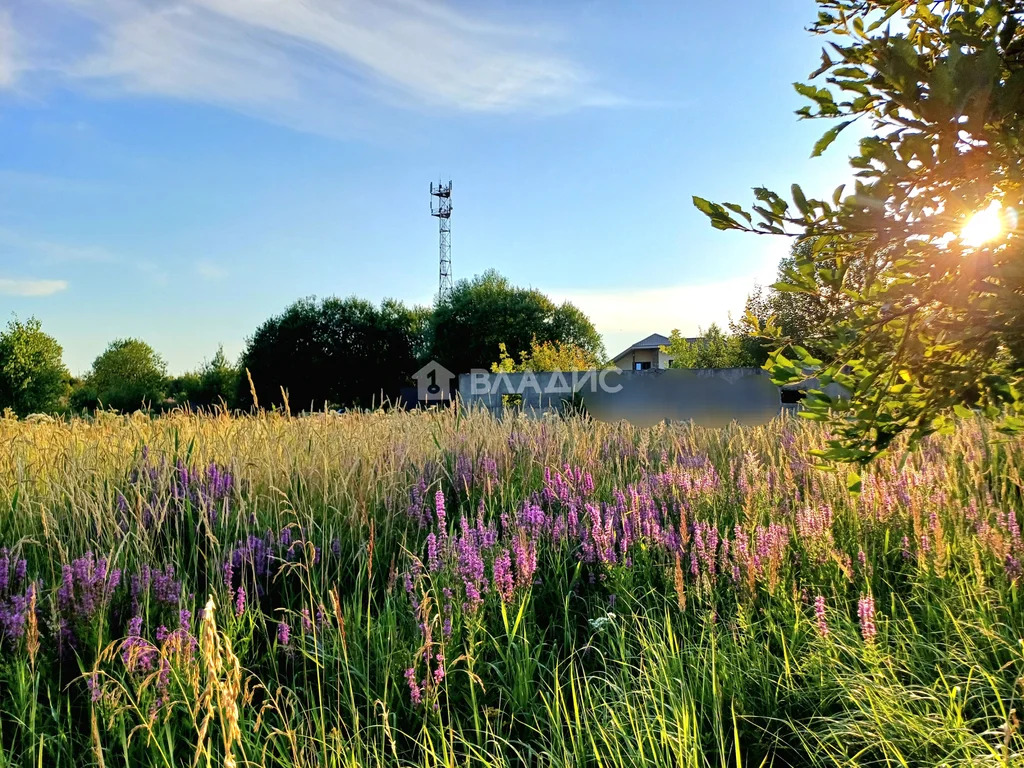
x=983 y=226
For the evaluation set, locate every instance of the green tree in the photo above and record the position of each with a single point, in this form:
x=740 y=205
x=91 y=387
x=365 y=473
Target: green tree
x=935 y=324
x=805 y=319
x=33 y=378
x=714 y=349
x=214 y=384
x=184 y=389
x=218 y=380
x=546 y=356
x=83 y=396
x=128 y=375
x=756 y=312
x=468 y=327
x=333 y=352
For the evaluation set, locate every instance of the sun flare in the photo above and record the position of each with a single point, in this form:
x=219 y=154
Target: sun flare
x=984 y=226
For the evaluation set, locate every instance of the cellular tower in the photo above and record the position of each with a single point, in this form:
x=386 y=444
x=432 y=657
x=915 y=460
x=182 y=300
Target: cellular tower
x=441 y=207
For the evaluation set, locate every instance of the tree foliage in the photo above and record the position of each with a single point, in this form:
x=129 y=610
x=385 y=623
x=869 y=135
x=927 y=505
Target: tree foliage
x=546 y=356
x=128 y=375
x=469 y=326
x=33 y=378
x=935 y=322
x=802 y=318
x=713 y=349
x=214 y=384
x=332 y=352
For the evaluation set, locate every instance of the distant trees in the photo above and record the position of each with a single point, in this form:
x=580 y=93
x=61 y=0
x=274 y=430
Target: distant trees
x=33 y=378
x=714 y=349
x=332 y=351
x=805 y=319
x=349 y=352
x=468 y=327
x=335 y=352
x=546 y=356
x=214 y=384
x=127 y=376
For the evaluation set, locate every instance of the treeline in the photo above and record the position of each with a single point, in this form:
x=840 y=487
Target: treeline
x=773 y=318
x=350 y=352
x=317 y=353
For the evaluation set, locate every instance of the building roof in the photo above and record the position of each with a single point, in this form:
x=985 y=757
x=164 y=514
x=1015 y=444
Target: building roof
x=654 y=341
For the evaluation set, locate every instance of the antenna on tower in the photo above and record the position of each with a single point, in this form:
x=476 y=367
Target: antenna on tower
x=442 y=209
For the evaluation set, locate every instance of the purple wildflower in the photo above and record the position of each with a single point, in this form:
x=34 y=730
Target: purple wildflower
x=439 y=669
x=819 y=614
x=415 y=691
x=433 y=561
x=503 y=582
x=442 y=524
x=866 y=613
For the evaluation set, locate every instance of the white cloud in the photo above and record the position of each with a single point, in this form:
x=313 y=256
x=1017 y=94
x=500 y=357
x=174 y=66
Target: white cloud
x=8 y=62
x=314 y=63
x=52 y=250
x=36 y=250
x=210 y=271
x=31 y=287
x=624 y=316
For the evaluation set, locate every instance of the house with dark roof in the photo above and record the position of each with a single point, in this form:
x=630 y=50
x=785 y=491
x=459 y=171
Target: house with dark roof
x=645 y=354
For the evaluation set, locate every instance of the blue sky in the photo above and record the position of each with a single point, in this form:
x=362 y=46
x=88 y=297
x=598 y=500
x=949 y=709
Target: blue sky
x=179 y=170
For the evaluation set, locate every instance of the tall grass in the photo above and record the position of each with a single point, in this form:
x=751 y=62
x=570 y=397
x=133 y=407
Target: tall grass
x=441 y=589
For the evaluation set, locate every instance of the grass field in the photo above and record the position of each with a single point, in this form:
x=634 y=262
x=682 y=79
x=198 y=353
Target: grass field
x=426 y=589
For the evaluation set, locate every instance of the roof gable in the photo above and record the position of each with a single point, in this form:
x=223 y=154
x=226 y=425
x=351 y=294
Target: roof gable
x=654 y=340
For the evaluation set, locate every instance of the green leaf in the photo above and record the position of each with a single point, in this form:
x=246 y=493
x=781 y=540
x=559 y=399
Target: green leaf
x=738 y=210
x=829 y=136
x=892 y=10
x=720 y=218
x=853 y=482
x=826 y=62
x=704 y=206
x=788 y=288
x=800 y=199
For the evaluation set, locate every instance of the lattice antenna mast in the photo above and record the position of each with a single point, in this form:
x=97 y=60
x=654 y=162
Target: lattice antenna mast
x=441 y=207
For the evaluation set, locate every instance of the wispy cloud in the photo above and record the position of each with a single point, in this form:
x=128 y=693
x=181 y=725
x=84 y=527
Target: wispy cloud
x=624 y=316
x=52 y=250
x=10 y=287
x=644 y=311
x=312 y=62
x=210 y=271
x=16 y=181
x=8 y=62
x=18 y=246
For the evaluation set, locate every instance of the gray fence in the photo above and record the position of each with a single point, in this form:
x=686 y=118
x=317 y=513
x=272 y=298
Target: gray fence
x=708 y=397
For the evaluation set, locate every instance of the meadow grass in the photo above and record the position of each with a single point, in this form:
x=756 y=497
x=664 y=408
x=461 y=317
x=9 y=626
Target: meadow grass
x=442 y=589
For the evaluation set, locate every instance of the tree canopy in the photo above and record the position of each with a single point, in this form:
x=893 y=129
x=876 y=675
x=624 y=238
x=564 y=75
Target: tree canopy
x=714 y=349
x=468 y=326
x=332 y=352
x=805 y=319
x=935 y=318
x=33 y=378
x=127 y=376
x=547 y=356
x=214 y=384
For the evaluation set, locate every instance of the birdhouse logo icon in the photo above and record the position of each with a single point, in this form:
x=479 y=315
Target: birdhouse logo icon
x=433 y=383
